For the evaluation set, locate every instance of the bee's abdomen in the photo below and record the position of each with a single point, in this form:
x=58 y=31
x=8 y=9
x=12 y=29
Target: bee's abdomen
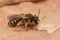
x=13 y=22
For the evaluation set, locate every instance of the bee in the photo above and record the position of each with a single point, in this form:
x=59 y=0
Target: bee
x=26 y=21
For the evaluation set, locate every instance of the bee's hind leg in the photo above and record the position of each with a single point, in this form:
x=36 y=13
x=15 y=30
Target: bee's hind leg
x=35 y=28
x=26 y=28
x=18 y=26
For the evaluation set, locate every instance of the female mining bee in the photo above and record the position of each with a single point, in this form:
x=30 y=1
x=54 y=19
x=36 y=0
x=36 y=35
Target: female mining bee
x=26 y=21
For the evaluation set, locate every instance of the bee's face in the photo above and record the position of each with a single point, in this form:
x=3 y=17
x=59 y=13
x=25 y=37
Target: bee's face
x=35 y=19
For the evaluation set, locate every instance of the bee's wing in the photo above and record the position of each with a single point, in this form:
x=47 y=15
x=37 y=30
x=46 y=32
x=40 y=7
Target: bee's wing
x=15 y=16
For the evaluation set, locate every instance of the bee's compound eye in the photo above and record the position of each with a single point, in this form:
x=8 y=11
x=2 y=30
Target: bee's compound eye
x=35 y=20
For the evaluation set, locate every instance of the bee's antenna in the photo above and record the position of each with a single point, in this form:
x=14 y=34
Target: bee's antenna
x=38 y=13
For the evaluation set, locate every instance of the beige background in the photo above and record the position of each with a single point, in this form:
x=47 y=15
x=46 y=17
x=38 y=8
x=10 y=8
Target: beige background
x=49 y=8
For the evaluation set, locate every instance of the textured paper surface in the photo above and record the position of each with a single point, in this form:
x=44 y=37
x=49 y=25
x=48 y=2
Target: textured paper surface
x=50 y=9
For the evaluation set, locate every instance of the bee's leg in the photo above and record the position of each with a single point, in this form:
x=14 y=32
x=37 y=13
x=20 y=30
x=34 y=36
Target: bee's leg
x=18 y=25
x=26 y=27
x=35 y=28
x=16 y=28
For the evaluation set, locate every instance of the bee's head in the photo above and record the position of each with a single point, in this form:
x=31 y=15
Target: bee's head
x=35 y=19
